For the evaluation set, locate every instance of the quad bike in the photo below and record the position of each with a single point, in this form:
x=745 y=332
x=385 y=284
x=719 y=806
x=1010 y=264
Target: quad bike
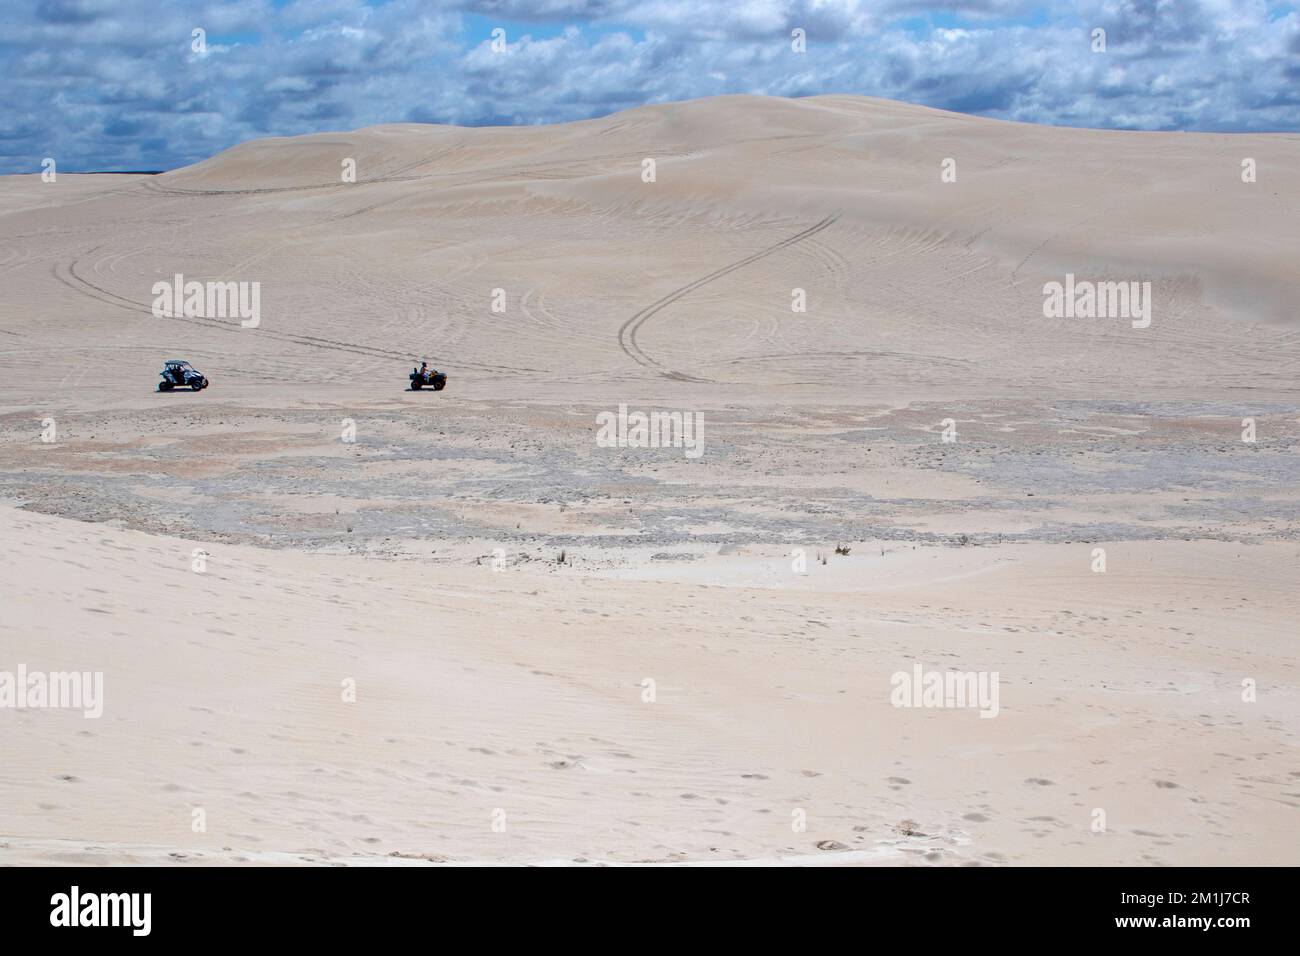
x=429 y=376
x=177 y=373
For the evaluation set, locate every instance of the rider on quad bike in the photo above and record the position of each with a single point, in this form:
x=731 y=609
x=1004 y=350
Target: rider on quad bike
x=424 y=375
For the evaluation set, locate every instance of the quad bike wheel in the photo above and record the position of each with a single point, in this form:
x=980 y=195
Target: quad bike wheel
x=439 y=385
x=416 y=385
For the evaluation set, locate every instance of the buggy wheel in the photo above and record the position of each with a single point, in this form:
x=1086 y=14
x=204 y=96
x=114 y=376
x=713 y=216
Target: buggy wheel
x=164 y=386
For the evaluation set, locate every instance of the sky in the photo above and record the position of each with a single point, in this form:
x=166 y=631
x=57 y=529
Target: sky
x=117 y=85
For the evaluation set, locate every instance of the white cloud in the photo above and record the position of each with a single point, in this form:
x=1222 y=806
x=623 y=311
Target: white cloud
x=89 y=83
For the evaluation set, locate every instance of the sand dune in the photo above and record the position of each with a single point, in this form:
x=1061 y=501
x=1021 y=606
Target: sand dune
x=496 y=683
x=481 y=692
x=912 y=283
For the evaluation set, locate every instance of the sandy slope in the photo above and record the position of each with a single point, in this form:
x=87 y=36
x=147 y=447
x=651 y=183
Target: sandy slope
x=479 y=690
x=520 y=689
x=915 y=286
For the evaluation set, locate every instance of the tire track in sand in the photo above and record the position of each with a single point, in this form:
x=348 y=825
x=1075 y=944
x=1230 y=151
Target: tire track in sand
x=66 y=273
x=628 y=332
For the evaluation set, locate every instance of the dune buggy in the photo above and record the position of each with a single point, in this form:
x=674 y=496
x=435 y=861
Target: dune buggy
x=177 y=373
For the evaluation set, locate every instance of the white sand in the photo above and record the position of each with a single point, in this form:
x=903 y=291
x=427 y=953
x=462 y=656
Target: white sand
x=520 y=690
